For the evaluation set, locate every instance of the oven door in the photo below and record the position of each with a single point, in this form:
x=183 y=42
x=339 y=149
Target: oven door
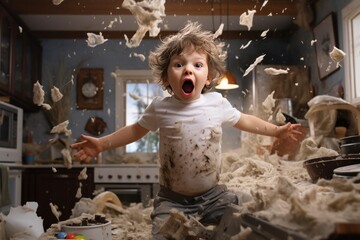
x=129 y=193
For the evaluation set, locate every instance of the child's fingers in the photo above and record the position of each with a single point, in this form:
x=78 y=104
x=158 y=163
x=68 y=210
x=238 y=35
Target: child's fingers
x=294 y=138
x=297 y=132
x=78 y=145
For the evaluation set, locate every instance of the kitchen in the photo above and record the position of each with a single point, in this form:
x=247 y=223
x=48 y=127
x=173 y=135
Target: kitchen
x=64 y=51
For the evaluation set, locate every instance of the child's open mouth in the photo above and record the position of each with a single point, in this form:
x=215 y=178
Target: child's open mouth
x=188 y=86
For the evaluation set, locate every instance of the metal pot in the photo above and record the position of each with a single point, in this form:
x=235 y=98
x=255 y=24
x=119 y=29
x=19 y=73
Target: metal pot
x=350 y=148
x=324 y=167
x=350 y=139
x=350 y=145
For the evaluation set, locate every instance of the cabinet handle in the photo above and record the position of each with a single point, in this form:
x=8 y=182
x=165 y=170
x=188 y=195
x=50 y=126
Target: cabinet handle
x=62 y=176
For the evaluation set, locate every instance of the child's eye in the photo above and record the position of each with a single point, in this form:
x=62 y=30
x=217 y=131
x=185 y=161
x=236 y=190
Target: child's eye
x=178 y=65
x=198 y=65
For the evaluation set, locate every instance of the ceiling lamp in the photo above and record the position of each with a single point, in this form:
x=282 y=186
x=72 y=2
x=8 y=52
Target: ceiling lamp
x=228 y=82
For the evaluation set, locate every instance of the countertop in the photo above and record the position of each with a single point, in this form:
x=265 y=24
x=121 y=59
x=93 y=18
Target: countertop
x=77 y=165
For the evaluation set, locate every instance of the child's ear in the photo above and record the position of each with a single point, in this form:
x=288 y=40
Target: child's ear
x=166 y=82
x=208 y=81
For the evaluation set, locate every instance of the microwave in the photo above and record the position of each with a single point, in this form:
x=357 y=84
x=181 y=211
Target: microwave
x=11 y=128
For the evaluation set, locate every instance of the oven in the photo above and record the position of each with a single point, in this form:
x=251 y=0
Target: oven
x=131 y=183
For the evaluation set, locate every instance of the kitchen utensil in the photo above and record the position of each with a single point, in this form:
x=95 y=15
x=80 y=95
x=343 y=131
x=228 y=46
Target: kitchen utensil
x=349 y=170
x=324 y=167
x=92 y=232
x=340 y=132
x=260 y=229
x=294 y=120
x=350 y=148
x=350 y=139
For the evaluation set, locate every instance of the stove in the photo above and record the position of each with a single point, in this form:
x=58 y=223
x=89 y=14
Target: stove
x=132 y=183
x=127 y=173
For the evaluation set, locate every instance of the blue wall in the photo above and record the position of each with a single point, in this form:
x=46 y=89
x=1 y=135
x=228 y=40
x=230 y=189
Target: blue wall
x=111 y=55
x=300 y=46
x=114 y=54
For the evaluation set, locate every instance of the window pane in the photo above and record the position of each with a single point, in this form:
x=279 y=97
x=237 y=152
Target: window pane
x=139 y=96
x=356 y=39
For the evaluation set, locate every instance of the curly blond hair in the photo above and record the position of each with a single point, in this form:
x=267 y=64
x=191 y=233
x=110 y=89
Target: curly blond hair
x=191 y=35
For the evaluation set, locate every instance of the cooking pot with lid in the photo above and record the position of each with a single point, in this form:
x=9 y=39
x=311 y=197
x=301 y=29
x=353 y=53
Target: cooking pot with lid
x=350 y=139
x=350 y=145
x=324 y=167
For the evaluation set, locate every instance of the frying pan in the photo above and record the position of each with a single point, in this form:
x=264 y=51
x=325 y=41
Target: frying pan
x=324 y=167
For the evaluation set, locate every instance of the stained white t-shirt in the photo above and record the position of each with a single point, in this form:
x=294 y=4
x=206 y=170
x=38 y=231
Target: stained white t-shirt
x=190 y=139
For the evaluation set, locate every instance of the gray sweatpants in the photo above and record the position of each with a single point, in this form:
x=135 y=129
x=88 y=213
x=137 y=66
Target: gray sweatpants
x=208 y=207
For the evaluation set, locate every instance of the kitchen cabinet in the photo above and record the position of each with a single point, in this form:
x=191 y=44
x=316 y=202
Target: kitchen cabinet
x=44 y=186
x=20 y=58
x=6 y=45
x=26 y=67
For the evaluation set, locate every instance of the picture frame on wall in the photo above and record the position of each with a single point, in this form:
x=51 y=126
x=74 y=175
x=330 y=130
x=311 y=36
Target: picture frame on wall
x=324 y=34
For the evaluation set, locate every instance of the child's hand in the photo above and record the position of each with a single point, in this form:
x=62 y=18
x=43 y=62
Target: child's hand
x=88 y=148
x=289 y=131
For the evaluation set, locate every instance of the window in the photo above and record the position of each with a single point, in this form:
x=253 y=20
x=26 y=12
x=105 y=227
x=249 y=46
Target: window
x=139 y=95
x=351 y=26
x=134 y=92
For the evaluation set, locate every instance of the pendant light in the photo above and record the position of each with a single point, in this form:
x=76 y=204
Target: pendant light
x=228 y=82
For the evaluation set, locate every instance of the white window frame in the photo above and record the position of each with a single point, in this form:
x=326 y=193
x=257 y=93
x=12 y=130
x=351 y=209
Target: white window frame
x=351 y=45
x=121 y=76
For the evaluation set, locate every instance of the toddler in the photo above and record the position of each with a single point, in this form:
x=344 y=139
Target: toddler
x=187 y=64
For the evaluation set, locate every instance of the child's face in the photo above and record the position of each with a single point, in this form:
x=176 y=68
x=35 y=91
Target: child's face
x=188 y=74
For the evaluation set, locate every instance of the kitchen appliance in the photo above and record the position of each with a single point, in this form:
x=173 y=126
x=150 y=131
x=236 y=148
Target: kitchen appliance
x=11 y=127
x=132 y=183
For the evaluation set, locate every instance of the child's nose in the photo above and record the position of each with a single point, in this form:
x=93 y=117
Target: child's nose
x=188 y=70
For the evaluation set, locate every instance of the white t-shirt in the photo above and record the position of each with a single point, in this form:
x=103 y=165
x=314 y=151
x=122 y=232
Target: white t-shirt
x=190 y=140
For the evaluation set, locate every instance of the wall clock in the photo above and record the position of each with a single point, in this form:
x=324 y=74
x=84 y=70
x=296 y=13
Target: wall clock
x=89 y=88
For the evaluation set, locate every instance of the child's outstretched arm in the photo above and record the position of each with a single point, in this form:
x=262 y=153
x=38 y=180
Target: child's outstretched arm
x=90 y=147
x=256 y=125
